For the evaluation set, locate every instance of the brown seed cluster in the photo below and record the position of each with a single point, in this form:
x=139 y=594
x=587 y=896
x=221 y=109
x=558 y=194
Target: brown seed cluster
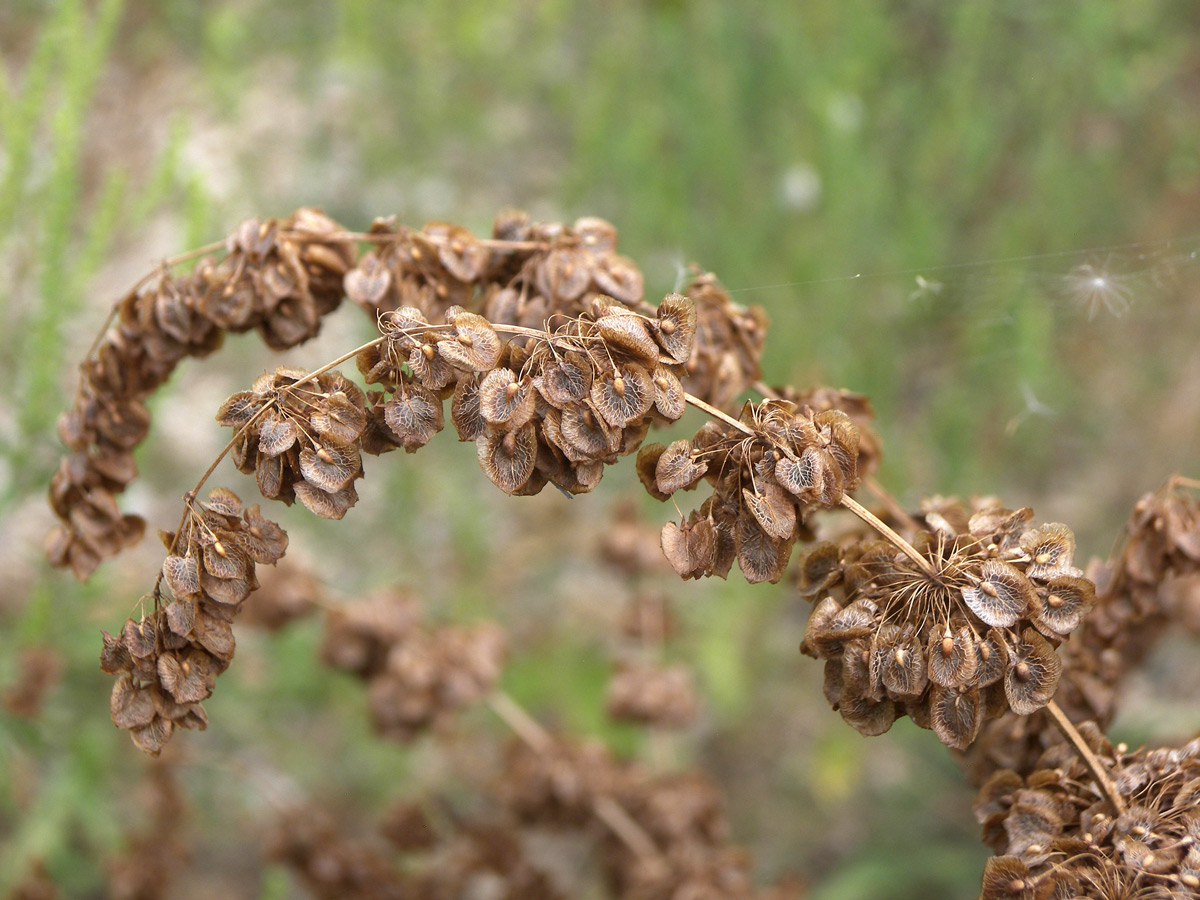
x=1058 y=837
x=554 y=408
x=689 y=852
x=527 y=274
x=39 y=670
x=729 y=343
x=279 y=276
x=479 y=858
x=330 y=865
x=300 y=437
x=167 y=662
x=153 y=855
x=417 y=676
x=652 y=694
x=1153 y=580
x=963 y=639
x=856 y=406
x=287 y=593
x=766 y=473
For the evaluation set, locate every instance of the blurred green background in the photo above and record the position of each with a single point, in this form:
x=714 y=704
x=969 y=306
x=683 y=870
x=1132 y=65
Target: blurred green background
x=910 y=189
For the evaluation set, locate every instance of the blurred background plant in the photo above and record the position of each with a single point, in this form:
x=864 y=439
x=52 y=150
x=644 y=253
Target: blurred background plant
x=910 y=192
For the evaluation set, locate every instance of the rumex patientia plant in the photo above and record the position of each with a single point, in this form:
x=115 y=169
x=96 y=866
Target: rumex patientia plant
x=973 y=620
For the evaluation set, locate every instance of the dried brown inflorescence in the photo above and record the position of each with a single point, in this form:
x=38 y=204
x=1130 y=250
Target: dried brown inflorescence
x=1152 y=581
x=331 y=866
x=417 y=676
x=725 y=360
x=681 y=846
x=652 y=694
x=544 y=407
x=1057 y=836
x=300 y=436
x=146 y=867
x=166 y=662
x=38 y=671
x=526 y=274
x=969 y=635
x=767 y=469
x=279 y=276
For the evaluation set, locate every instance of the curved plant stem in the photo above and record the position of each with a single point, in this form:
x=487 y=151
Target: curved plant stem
x=1099 y=772
x=717 y=414
x=883 y=528
x=893 y=505
x=607 y=810
x=191 y=495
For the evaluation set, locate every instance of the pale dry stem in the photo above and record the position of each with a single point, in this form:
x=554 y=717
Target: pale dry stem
x=606 y=809
x=1095 y=766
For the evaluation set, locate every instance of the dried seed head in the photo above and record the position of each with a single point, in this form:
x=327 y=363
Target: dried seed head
x=623 y=395
x=1050 y=549
x=1003 y=595
x=508 y=457
x=1033 y=673
x=414 y=416
x=676 y=468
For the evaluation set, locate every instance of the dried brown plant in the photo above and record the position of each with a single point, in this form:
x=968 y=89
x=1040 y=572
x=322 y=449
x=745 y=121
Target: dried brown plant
x=556 y=366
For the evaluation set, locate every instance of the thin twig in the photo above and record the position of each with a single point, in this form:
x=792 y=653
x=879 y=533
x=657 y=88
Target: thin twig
x=883 y=528
x=606 y=809
x=893 y=506
x=717 y=414
x=1099 y=772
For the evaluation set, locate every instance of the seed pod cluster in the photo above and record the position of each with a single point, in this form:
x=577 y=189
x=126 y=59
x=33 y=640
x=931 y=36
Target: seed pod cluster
x=330 y=865
x=526 y=274
x=279 y=276
x=730 y=338
x=964 y=639
x=1057 y=836
x=553 y=410
x=681 y=814
x=39 y=670
x=651 y=694
x=166 y=663
x=856 y=406
x=300 y=437
x=417 y=676
x=766 y=474
x=1152 y=581
x=154 y=854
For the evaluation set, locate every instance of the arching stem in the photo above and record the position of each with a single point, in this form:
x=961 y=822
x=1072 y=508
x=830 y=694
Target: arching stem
x=886 y=530
x=607 y=810
x=1099 y=772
